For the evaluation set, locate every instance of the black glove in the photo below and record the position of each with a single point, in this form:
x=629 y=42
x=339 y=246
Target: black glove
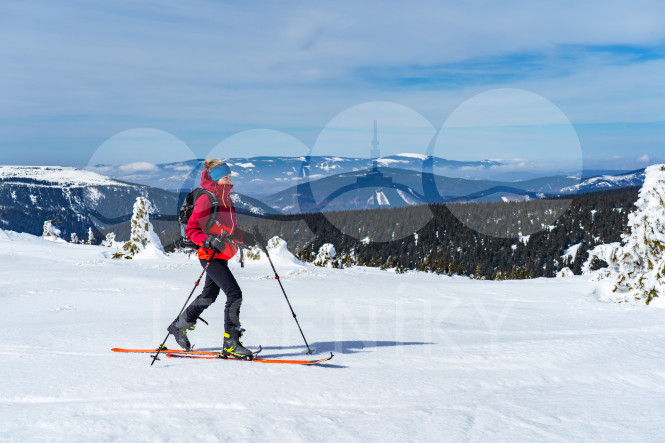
x=244 y=237
x=215 y=243
x=249 y=239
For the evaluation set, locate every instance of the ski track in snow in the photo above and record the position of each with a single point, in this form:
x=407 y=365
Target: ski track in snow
x=418 y=357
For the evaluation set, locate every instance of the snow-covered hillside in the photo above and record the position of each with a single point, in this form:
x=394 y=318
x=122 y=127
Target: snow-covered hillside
x=418 y=357
x=57 y=176
x=80 y=199
x=606 y=182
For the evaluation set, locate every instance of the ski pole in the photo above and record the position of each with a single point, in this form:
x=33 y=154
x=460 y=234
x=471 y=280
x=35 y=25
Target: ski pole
x=154 y=357
x=261 y=241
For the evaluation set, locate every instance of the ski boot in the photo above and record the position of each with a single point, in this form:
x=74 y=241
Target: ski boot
x=233 y=346
x=179 y=329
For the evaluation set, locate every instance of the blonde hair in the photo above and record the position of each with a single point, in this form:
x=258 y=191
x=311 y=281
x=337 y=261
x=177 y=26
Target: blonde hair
x=210 y=163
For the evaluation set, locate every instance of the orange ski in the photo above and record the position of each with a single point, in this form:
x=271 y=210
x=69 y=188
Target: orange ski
x=256 y=360
x=179 y=351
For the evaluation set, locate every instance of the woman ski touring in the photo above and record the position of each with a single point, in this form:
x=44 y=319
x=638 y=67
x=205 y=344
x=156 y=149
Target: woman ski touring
x=219 y=241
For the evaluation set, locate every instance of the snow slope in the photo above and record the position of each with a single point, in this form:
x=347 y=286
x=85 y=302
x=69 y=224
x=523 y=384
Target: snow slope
x=418 y=357
x=607 y=181
x=57 y=176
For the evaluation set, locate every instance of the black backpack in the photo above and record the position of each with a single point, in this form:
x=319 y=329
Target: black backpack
x=186 y=211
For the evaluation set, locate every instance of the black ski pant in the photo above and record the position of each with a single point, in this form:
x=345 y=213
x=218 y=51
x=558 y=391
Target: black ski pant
x=218 y=276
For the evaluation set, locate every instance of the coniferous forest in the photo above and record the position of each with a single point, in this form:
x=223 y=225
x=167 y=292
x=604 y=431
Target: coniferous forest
x=446 y=245
x=504 y=240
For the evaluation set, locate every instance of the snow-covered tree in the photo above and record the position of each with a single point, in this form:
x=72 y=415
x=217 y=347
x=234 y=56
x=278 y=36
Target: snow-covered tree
x=565 y=272
x=109 y=241
x=50 y=231
x=73 y=238
x=350 y=259
x=637 y=265
x=275 y=243
x=254 y=253
x=91 y=237
x=326 y=255
x=142 y=235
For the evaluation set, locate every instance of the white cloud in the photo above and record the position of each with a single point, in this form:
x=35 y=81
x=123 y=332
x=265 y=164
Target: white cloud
x=138 y=167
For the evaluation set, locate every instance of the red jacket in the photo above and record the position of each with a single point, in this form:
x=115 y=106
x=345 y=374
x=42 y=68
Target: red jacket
x=226 y=219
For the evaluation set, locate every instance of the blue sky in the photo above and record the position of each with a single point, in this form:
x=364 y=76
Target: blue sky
x=77 y=76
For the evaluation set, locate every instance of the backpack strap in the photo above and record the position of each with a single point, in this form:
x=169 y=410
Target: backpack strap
x=214 y=202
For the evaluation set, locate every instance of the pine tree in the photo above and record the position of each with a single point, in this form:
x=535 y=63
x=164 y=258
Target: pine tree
x=91 y=237
x=50 y=231
x=109 y=241
x=640 y=259
x=142 y=232
x=326 y=255
x=73 y=238
x=637 y=265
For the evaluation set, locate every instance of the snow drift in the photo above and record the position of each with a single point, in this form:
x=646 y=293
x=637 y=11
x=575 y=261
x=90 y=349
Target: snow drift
x=418 y=356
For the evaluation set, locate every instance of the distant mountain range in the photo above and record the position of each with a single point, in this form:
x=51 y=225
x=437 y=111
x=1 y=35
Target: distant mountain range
x=391 y=187
x=263 y=176
x=273 y=179
x=80 y=199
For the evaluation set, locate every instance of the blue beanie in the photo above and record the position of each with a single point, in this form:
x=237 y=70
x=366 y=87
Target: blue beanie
x=219 y=171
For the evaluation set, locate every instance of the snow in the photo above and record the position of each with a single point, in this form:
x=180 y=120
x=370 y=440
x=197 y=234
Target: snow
x=50 y=232
x=245 y=165
x=571 y=252
x=150 y=251
x=60 y=176
x=636 y=265
x=326 y=167
x=565 y=272
x=418 y=357
x=412 y=155
x=605 y=182
x=406 y=198
x=325 y=255
x=515 y=198
x=381 y=199
x=280 y=254
x=386 y=162
x=143 y=243
x=602 y=252
x=93 y=195
x=238 y=201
